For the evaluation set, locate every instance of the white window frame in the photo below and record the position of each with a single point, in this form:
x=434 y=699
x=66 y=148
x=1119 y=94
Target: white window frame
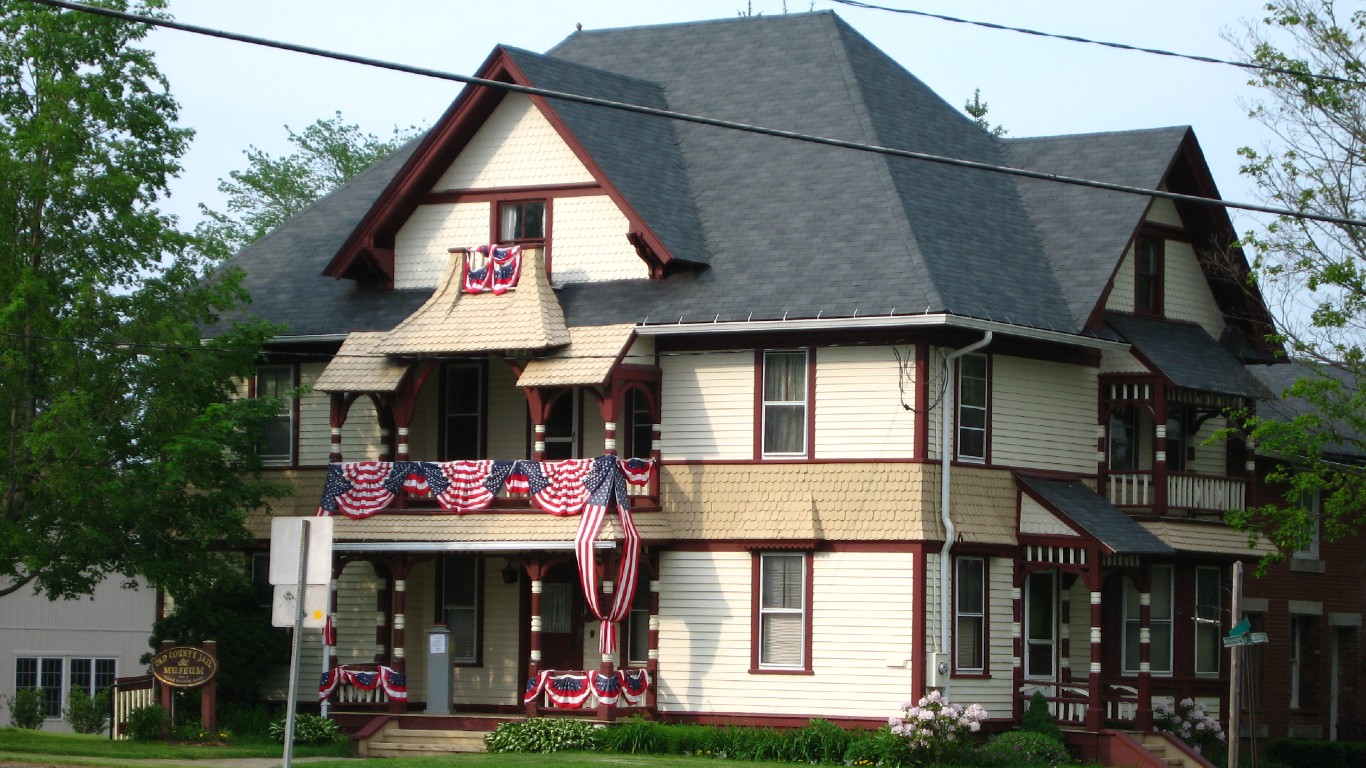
x=786 y=404
x=64 y=665
x=1156 y=626
x=1208 y=633
x=970 y=612
x=964 y=407
x=1311 y=502
x=289 y=416
x=637 y=649
x=767 y=613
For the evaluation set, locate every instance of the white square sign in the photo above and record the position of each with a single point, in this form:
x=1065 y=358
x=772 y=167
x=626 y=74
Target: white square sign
x=286 y=598
x=285 y=533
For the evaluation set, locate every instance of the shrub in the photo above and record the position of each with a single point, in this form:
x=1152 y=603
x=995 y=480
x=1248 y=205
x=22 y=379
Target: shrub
x=250 y=720
x=144 y=723
x=1317 y=753
x=543 y=734
x=308 y=729
x=821 y=741
x=880 y=747
x=635 y=736
x=936 y=730
x=86 y=713
x=1190 y=722
x=1037 y=718
x=25 y=708
x=1022 y=748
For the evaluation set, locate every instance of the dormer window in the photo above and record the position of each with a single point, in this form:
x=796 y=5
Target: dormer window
x=522 y=222
x=1148 y=254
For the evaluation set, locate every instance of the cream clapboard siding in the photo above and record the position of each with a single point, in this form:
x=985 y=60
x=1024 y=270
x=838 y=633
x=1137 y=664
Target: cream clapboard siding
x=641 y=351
x=992 y=692
x=1163 y=211
x=515 y=147
x=593 y=438
x=422 y=245
x=705 y=637
x=423 y=434
x=860 y=398
x=589 y=242
x=356 y=620
x=1187 y=293
x=708 y=406
x=360 y=434
x=939 y=398
x=1211 y=456
x=1078 y=628
x=1043 y=414
x=509 y=420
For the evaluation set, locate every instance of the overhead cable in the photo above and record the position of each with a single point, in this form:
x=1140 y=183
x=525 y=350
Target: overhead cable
x=703 y=120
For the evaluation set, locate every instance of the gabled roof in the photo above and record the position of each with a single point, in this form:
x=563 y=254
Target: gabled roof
x=1094 y=515
x=744 y=226
x=1278 y=378
x=359 y=367
x=1188 y=356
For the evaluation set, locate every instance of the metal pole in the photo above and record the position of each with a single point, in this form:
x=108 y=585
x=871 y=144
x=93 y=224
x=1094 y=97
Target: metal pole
x=1234 y=669
x=293 y=703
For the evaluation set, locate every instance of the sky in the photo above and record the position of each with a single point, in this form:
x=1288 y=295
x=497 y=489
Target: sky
x=236 y=95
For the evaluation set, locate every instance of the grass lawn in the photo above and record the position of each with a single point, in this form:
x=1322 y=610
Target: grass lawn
x=21 y=744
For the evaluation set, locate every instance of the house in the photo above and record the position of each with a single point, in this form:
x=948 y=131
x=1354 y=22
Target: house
x=793 y=338
x=60 y=646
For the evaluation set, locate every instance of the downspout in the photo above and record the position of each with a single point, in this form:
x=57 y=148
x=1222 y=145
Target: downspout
x=945 y=497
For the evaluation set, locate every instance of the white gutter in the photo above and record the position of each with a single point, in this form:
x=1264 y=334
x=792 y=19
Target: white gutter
x=945 y=495
x=461 y=546
x=940 y=320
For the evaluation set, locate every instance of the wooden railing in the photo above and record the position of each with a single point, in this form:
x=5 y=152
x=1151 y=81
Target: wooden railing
x=130 y=693
x=1068 y=701
x=1185 y=491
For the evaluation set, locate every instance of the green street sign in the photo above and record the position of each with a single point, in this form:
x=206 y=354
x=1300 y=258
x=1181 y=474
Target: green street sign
x=1241 y=628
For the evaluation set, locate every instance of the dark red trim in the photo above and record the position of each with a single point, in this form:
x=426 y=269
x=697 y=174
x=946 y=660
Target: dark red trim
x=779 y=545
x=958 y=413
x=922 y=402
x=497 y=194
x=919 y=620
x=755 y=616
x=986 y=617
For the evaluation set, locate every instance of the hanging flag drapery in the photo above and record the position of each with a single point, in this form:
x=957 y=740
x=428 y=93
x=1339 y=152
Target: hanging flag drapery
x=558 y=486
x=637 y=471
x=358 y=489
x=634 y=684
x=394 y=684
x=467 y=485
x=491 y=268
x=570 y=689
x=607 y=488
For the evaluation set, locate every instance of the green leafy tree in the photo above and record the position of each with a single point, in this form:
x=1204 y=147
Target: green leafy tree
x=122 y=449
x=1313 y=99
x=327 y=154
x=977 y=110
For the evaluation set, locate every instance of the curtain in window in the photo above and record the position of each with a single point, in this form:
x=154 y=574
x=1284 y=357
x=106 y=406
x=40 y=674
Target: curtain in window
x=782 y=614
x=784 y=402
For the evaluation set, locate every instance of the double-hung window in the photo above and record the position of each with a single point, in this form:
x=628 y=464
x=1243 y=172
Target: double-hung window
x=1207 y=621
x=970 y=587
x=1148 y=253
x=522 y=221
x=277 y=434
x=783 y=612
x=1309 y=502
x=785 y=393
x=44 y=674
x=1159 y=623
x=91 y=675
x=461 y=586
x=973 y=372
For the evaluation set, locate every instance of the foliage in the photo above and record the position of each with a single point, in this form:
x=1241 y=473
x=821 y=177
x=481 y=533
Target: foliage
x=110 y=402
x=327 y=154
x=821 y=741
x=1190 y=722
x=1317 y=753
x=250 y=720
x=25 y=708
x=935 y=729
x=1313 y=100
x=39 y=747
x=309 y=729
x=543 y=734
x=145 y=723
x=86 y=713
x=227 y=610
x=1038 y=719
x=881 y=747
x=1020 y=748
x=977 y=110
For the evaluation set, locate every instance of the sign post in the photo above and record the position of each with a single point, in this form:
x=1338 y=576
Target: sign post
x=311 y=572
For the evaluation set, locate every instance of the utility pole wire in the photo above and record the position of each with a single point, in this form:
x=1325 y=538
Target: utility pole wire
x=702 y=120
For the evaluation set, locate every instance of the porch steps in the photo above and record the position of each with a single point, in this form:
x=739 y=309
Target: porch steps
x=1169 y=753
x=395 y=741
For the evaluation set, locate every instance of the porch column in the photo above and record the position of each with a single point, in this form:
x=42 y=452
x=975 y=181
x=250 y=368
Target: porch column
x=608 y=667
x=1160 y=449
x=1064 y=634
x=1016 y=643
x=656 y=433
x=1095 y=707
x=533 y=666
x=336 y=418
x=652 y=655
x=402 y=453
x=538 y=447
x=1143 y=715
x=397 y=662
x=609 y=438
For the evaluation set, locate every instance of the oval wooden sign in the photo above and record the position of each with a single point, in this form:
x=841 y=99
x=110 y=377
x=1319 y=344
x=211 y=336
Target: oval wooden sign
x=184 y=667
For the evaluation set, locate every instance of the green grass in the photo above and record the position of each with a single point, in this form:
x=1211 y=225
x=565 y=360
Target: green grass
x=18 y=744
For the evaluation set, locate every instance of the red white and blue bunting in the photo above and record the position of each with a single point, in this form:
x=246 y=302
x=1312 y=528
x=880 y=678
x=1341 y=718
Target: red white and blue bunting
x=491 y=268
x=570 y=689
x=606 y=486
x=394 y=684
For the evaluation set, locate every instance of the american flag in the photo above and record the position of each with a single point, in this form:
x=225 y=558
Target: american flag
x=466 y=485
x=607 y=488
x=476 y=279
x=358 y=489
x=637 y=471
x=506 y=264
x=561 y=487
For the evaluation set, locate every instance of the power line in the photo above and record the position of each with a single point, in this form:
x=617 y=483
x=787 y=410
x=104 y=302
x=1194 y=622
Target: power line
x=1106 y=44
x=702 y=120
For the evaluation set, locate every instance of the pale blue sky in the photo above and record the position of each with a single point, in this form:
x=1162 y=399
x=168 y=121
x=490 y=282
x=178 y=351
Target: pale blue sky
x=234 y=95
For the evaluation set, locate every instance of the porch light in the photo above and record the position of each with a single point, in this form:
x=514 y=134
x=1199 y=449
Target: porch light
x=510 y=573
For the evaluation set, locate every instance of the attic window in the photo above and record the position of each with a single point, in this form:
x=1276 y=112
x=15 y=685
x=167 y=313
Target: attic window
x=1148 y=275
x=522 y=222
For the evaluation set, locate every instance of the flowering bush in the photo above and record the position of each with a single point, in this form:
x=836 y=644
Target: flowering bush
x=544 y=734
x=1190 y=722
x=935 y=729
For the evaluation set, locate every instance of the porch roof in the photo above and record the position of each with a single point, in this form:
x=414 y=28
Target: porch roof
x=527 y=318
x=1188 y=356
x=1094 y=515
x=589 y=358
x=1207 y=537
x=359 y=367
x=495 y=528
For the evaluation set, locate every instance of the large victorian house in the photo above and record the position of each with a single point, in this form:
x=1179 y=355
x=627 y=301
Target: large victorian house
x=900 y=425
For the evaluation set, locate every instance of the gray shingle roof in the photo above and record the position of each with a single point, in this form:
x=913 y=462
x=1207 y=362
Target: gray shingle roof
x=780 y=228
x=1187 y=355
x=1104 y=521
x=1278 y=378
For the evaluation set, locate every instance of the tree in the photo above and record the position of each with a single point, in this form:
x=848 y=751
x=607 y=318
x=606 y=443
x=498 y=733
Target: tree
x=1313 y=99
x=270 y=190
x=123 y=450
x=977 y=110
